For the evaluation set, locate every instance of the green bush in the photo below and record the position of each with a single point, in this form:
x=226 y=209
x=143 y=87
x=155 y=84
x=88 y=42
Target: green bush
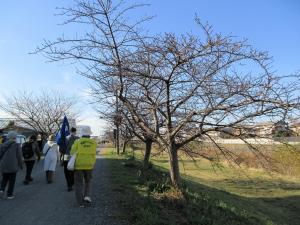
x=154 y=186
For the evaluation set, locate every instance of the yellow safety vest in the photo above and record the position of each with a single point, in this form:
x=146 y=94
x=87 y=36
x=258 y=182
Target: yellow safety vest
x=86 y=153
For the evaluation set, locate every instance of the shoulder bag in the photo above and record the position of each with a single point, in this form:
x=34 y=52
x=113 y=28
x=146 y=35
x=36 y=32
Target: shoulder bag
x=71 y=163
x=47 y=151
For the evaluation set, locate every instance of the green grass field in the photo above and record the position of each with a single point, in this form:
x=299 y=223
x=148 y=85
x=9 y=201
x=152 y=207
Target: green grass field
x=212 y=196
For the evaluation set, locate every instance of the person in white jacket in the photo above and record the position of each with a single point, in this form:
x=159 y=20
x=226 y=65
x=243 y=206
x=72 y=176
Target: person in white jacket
x=51 y=154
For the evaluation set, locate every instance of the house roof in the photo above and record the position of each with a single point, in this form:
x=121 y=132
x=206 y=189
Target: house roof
x=4 y=122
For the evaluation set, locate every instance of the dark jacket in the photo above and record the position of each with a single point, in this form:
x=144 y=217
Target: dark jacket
x=36 y=151
x=12 y=159
x=70 y=141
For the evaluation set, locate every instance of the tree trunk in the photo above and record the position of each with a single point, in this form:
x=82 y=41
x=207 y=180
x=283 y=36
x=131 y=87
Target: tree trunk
x=124 y=146
x=118 y=140
x=147 y=153
x=174 y=166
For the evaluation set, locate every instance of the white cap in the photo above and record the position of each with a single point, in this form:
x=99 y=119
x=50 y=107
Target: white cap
x=11 y=135
x=84 y=130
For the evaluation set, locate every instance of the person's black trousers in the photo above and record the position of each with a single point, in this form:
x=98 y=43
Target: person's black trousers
x=29 y=167
x=9 y=178
x=69 y=175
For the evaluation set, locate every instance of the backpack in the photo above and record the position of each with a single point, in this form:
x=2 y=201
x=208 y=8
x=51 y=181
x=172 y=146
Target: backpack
x=27 y=150
x=4 y=150
x=69 y=143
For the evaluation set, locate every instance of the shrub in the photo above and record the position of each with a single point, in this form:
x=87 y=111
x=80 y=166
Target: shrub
x=287 y=160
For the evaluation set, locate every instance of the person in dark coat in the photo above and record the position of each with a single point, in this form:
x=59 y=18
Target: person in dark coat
x=40 y=141
x=69 y=175
x=2 y=137
x=10 y=162
x=29 y=162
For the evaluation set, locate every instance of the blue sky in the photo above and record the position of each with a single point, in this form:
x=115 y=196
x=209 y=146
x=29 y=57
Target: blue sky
x=272 y=26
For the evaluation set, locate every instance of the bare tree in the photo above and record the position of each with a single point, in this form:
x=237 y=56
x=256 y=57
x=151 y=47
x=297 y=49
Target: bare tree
x=42 y=112
x=129 y=129
x=141 y=134
x=104 y=45
x=203 y=86
x=175 y=89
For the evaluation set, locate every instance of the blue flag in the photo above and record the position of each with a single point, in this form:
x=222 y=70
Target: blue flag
x=62 y=134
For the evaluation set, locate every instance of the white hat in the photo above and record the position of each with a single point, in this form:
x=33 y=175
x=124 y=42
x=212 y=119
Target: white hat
x=11 y=135
x=85 y=131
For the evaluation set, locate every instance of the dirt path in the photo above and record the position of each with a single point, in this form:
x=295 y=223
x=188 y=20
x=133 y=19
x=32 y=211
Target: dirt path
x=47 y=204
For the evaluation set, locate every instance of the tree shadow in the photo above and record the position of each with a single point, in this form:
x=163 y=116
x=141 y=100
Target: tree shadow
x=203 y=204
x=278 y=210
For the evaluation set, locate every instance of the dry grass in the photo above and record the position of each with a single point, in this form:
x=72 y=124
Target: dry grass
x=222 y=190
x=249 y=178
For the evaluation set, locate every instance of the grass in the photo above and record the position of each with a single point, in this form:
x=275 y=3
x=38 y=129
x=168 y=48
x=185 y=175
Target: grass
x=227 y=196
x=243 y=181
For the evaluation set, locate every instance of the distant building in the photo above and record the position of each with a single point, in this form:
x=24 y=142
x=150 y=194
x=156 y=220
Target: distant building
x=295 y=127
x=263 y=129
x=9 y=124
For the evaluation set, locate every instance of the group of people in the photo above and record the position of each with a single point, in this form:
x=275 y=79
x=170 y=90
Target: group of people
x=13 y=156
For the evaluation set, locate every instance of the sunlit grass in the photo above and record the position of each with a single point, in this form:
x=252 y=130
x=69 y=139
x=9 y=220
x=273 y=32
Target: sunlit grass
x=269 y=196
x=247 y=182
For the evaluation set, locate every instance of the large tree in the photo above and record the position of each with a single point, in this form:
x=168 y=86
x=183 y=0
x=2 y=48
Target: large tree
x=43 y=112
x=201 y=86
x=101 y=48
x=175 y=89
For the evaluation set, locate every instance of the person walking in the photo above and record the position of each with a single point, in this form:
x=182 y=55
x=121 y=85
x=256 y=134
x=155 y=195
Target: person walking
x=40 y=142
x=10 y=162
x=31 y=152
x=85 y=150
x=2 y=137
x=69 y=175
x=51 y=155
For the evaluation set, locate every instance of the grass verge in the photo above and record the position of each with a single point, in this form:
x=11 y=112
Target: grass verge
x=148 y=199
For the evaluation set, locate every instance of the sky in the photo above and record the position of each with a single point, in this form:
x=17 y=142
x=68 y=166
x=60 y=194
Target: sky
x=269 y=25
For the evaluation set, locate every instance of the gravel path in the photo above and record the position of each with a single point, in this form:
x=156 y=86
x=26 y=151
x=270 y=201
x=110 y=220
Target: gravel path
x=50 y=204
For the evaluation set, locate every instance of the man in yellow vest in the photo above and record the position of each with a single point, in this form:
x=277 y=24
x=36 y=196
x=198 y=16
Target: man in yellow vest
x=85 y=150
